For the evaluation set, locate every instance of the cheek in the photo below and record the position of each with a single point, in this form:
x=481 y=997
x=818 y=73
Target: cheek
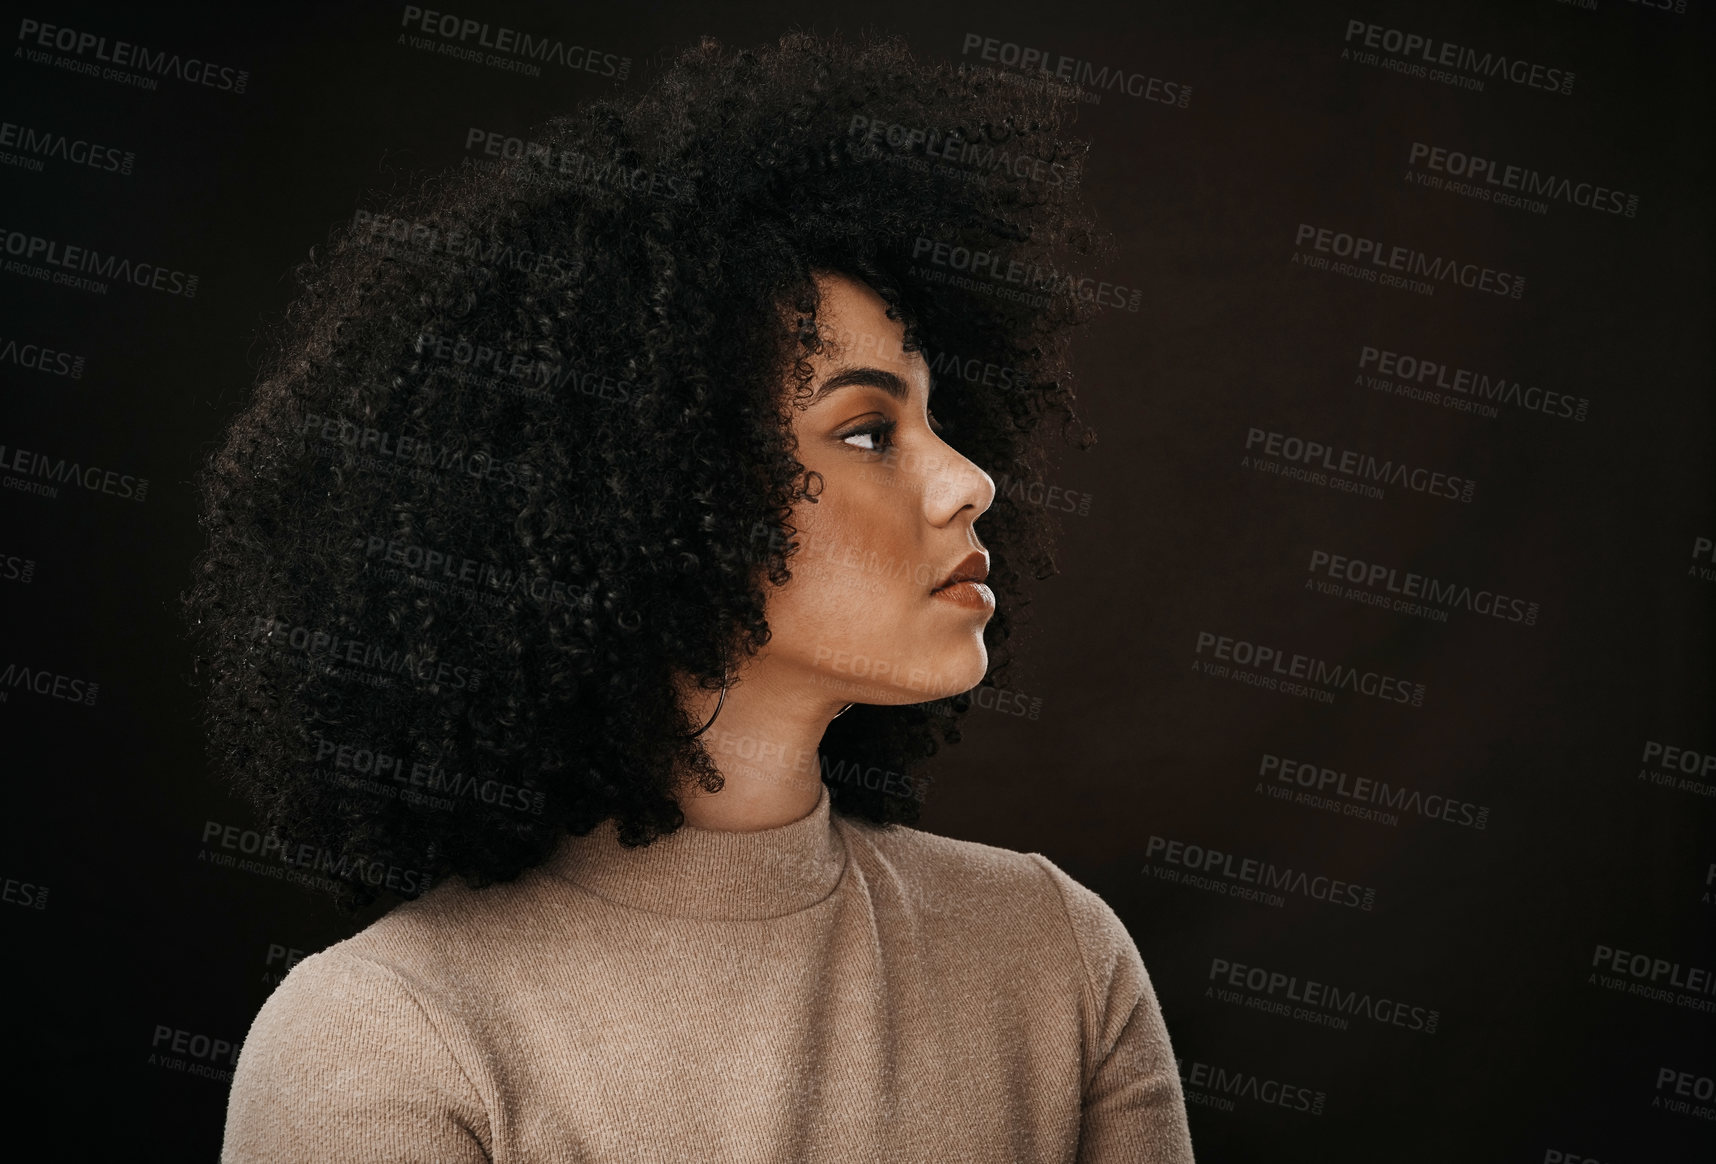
x=857 y=564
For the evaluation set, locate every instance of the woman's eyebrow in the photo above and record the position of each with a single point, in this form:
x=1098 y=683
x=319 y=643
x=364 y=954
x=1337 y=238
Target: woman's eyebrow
x=868 y=377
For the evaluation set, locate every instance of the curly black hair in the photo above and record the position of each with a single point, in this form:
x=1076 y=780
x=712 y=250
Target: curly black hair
x=520 y=450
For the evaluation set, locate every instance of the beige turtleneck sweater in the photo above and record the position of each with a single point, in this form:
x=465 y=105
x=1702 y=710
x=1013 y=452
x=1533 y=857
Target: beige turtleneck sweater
x=819 y=991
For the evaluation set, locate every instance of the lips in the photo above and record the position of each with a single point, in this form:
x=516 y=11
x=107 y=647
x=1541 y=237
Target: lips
x=974 y=567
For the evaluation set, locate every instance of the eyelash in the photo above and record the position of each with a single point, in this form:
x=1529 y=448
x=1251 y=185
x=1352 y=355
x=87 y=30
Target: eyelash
x=886 y=428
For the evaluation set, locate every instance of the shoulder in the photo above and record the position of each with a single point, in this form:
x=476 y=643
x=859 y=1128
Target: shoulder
x=336 y=995
x=451 y=934
x=409 y=978
x=915 y=857
x=344 y=1059
x=1025 y=890
x=379 y=987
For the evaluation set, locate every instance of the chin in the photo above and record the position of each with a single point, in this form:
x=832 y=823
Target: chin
x=961 y=673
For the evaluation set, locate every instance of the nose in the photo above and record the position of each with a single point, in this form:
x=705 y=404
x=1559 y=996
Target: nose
x=952 y=484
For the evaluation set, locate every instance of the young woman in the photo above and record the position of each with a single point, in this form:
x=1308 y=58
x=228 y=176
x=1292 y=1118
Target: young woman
x=594 y=569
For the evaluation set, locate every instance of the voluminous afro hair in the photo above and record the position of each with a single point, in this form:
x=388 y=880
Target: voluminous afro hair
x=520 y=450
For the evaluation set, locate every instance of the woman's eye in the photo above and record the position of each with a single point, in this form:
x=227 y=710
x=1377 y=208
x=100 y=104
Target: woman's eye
x=883 y=429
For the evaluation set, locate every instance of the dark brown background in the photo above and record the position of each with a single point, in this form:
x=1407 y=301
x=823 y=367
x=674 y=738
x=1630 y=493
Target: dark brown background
x=1595 y=520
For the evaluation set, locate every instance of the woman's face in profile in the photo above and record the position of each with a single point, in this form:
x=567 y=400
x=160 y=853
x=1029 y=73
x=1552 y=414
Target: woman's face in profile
x=893 y=520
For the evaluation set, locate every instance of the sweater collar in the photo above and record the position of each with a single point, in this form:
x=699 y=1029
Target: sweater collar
x=711 y=873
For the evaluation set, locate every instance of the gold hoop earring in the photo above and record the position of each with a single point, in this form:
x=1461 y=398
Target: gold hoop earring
x=725 y=670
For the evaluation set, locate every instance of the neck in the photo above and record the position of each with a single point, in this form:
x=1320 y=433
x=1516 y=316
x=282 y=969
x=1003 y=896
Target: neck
x=764 y=743
x=712 y=873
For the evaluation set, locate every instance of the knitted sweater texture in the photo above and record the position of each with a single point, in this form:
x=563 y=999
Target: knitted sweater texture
x=826 y=990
